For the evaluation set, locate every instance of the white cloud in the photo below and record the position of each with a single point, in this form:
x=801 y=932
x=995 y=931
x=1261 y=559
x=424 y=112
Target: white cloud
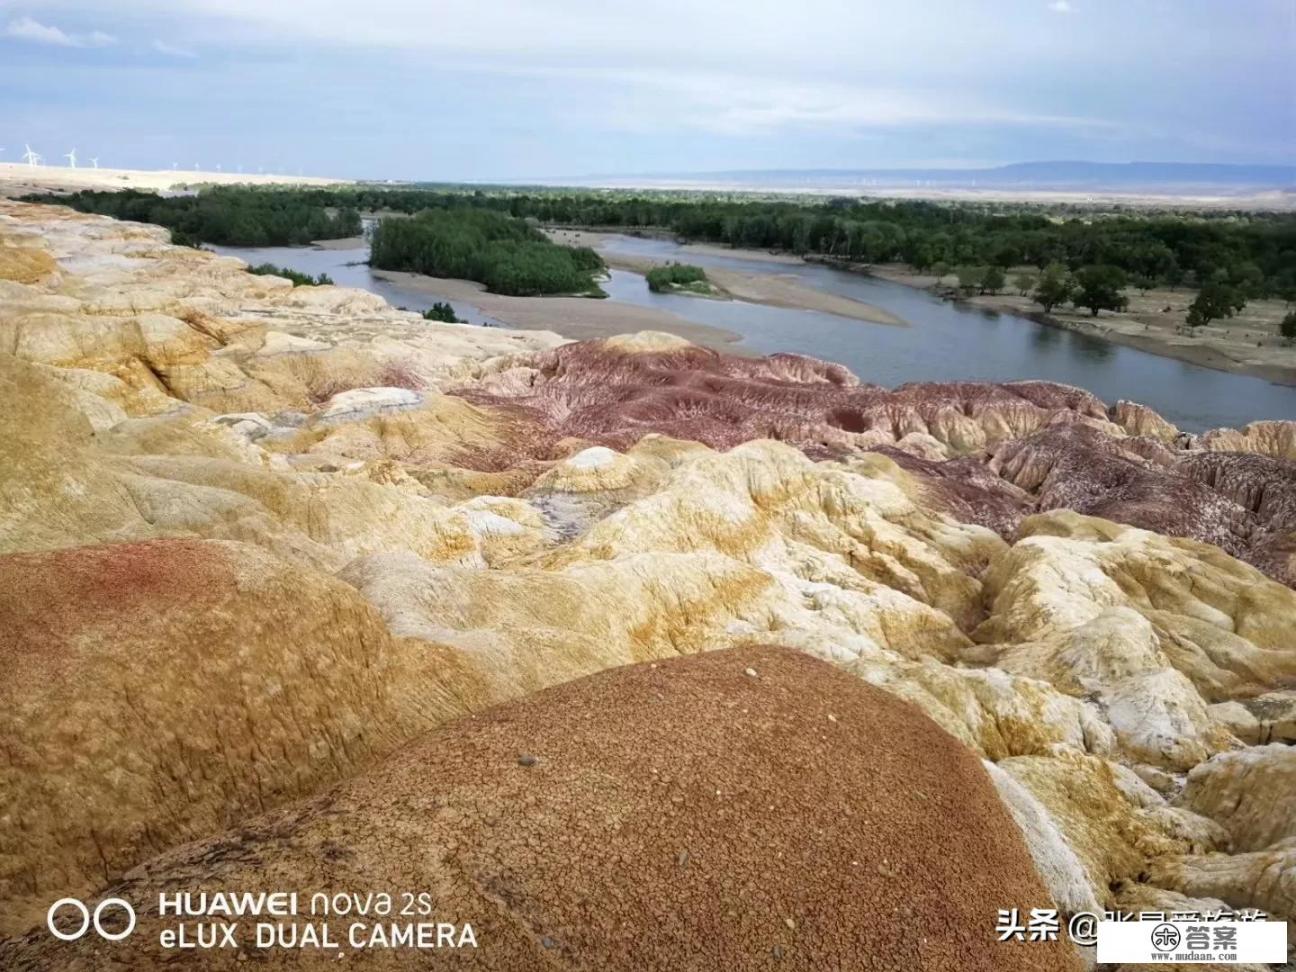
x=33 y=31
x=171 y=50
x=24 y=28
x=760 y=32
x=648 y=100
x=1061 y=6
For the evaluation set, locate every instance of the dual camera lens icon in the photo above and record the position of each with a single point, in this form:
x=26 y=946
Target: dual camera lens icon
x=89 y=918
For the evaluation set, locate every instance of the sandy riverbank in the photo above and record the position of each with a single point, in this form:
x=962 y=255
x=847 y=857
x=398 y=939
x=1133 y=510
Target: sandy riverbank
x=599 y=239
x=346 y=243
x=579 y=318
x=1155 y=322
x=773 y=289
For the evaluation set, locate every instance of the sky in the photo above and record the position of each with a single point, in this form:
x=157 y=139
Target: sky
x=534 y=89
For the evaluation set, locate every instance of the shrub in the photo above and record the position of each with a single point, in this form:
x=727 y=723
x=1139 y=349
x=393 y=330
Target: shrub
x=1216 y=299
x=674 y=276
x=441 y=311
x=1288 y=326
x=298 y=279
x=1056 y=286
x=1099 y=288
x=1024 y=282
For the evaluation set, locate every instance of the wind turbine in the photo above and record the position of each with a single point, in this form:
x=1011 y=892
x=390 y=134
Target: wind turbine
x=95 y=162
x=30 y=157
x=71 y=157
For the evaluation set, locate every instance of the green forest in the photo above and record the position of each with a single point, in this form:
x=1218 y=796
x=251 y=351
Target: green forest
x=507 y=254
x=1243 y=255
x=229 y=216
x=1255 y=251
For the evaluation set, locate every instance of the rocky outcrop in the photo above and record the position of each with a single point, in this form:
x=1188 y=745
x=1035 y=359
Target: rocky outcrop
x=1264 y=879
x=1269 y=438
x=196 y=327
x=261 y=539
x=1266 y=488
x=701 y=777
x=1242 y=504
x=1049 y=446
x=1139 y=420
x=1266 y=718
x=1249 y=793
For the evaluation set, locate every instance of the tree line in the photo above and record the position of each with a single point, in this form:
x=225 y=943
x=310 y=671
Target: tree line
x=1101 y=287
x=1252 y=252
x=225 y=215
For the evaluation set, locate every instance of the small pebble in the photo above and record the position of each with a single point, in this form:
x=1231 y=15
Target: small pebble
x=790 y=923
x=750 y=672
x=683 y=858
x=526 y=759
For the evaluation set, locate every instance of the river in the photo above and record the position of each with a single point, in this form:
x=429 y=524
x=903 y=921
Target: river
x=946 y=342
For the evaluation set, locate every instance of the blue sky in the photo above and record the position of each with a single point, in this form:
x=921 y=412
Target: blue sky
x=512 y=89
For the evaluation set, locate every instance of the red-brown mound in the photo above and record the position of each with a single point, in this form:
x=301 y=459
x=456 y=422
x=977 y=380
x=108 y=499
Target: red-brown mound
x=743 y=809
x=160 y=691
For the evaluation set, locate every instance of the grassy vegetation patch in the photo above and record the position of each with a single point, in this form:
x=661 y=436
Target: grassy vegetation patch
x=677 y=277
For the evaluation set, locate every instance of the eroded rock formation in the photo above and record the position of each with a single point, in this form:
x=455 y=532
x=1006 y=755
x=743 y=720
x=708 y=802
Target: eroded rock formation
x=256 y=540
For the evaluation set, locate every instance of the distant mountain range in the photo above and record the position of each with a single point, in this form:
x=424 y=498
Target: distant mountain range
x=1091 y=176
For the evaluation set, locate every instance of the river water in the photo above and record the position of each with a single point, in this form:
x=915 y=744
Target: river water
x=946 y=342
